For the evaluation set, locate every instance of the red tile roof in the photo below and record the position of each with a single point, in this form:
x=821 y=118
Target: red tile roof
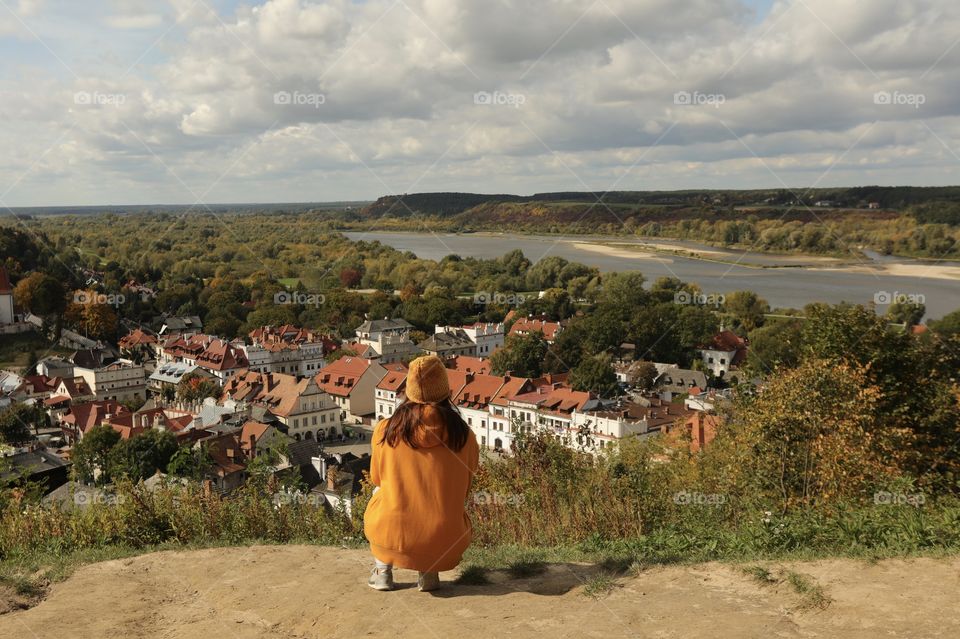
x=478 y=390
x=137 y=337
x=341 y=376
x=525 y=326
x=85 y=416
x=469 y=364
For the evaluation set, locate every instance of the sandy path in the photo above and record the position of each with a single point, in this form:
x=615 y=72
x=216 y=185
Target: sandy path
x=301 y=591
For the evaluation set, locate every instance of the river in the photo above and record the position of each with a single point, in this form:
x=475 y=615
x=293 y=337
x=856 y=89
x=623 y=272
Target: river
x=859 y=280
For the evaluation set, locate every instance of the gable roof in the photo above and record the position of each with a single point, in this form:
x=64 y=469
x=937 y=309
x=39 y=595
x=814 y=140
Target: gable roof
x=525 y=326
x=478 y=390
x=341 y=376
x=137 y=337
x=470 y=364
x=385 y=324
x=85 y=416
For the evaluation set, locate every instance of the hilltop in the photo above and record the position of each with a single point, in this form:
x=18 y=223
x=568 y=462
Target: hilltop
x=308 y=591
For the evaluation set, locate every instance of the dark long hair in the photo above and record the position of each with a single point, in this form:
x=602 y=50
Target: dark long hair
x=409 y=415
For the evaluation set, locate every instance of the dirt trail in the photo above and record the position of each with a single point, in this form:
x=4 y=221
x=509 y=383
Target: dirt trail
x=304 y=591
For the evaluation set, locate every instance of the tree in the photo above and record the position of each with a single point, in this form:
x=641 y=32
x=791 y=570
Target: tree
x=90 y=454
x=142 y=455
x=16 y=422
x=41 y=294
x=746 y=308
x=194 y=387
x=190 y=462
x=948 y=325
x=522 y=356
x=905 y=312
x=809 y=438
x=596 y=375
x=642 y=375
x=778 y=343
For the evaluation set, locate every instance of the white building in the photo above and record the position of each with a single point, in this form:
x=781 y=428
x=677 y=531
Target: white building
x=119 y=380
x=390 y=338
x=486 y=337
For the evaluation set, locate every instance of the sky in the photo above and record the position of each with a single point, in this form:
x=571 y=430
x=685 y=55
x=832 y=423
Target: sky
x=204 y=101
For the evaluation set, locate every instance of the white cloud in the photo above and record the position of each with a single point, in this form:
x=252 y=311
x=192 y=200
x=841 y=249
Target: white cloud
x=389 y=87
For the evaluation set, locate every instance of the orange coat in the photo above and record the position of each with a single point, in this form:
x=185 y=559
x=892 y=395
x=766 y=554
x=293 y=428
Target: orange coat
x=417 y=519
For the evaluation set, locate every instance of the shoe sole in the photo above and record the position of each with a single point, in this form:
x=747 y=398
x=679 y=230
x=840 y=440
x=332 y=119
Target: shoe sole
x=381 y=588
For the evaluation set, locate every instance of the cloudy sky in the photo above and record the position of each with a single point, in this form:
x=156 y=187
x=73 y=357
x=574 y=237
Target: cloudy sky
x=180 y=101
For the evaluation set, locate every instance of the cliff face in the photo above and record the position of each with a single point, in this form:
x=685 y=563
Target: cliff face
x=307 y=591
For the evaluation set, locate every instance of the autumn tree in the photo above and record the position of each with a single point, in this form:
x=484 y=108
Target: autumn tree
x=522 y=355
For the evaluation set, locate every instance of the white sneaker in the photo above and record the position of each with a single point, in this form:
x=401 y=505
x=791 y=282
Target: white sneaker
x=381 y=579
x=428 y=581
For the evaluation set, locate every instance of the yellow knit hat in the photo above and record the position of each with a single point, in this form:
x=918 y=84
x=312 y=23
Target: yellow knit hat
x=427 y=381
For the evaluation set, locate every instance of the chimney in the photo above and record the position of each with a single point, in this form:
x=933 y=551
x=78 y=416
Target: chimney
x=253 y=445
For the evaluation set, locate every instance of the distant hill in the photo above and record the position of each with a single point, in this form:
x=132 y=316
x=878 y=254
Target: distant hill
x=453 y=204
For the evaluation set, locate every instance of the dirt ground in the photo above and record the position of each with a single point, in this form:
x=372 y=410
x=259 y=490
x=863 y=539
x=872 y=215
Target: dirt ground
x=304 y=591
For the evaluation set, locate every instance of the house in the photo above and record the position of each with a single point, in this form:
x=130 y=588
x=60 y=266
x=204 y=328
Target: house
x=33 y=387
x=724 y=352
x=449 y=343
x=473 y=400
x=73 y=389
x=390 y=338
x=257 y=437
x=469 y=364
x=138 y=345
x=35 y=466
x=389 y=392
x=502 y=427
x=551 y=406
x=229 y=460
x=167 y=376
x=55 y=367
x=120 y=380
x=352 y=382
x=176 y=421
x=303 y=408
x=529 y=325
x=7 y=316
x=873 y=205
x=215 y=355
x=340 y=476
x=185 y=325
x=288 y=349
x=672 y=380
x=598 y=429
x=80 y=418
x=700 y=427
x=485 y=336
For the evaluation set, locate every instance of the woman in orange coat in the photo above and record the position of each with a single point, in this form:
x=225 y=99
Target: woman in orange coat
x=424 y=458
